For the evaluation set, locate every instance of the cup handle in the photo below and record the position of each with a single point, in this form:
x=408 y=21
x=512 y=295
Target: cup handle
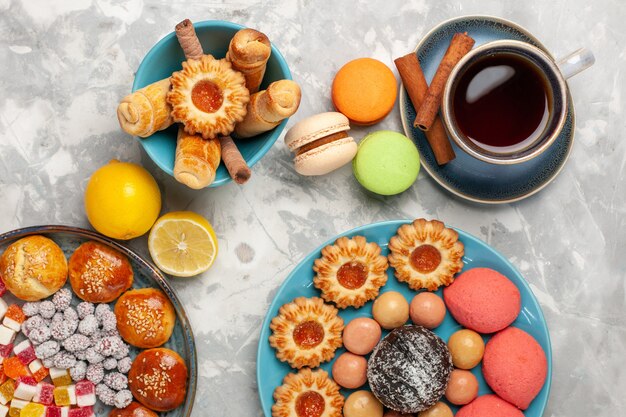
x=576 y=62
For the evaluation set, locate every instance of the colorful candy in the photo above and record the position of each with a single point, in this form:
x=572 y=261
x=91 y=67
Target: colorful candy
x=38 y=370
x=60 y=377
x=85 y=393
x=3 y=305
x=16 y=407
x=6 y=391
x=82 y=412
x=33 y=410
x=5 y=351
x=7 y=335
x=65 y=395
x=44 y=393
x=14 y=368
x=54 y=411
x=25 y=388
x=4 y=410
x=25 y=352
x=14 y=317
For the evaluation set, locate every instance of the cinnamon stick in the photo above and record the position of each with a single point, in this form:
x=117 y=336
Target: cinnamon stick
x=186 y=35
x=415 y=84
x=235 y=164
x=460 y=45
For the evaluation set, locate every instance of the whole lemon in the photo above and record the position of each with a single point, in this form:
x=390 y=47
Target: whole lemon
x=122 y=200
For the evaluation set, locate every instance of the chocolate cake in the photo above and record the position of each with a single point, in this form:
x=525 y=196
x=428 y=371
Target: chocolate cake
x=409 y=369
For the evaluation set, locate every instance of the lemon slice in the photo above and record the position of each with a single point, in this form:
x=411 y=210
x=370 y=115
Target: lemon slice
x=183 y=244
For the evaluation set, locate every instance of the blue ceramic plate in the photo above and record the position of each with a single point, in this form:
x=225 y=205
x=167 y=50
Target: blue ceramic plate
x=466 y=176
x=270 y=371
x=167 y=56
x=145 y=275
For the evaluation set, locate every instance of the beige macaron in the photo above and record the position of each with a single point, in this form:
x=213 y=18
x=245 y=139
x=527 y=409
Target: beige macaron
x=321 y=143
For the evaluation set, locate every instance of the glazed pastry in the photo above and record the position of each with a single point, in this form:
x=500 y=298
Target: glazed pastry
x=306 y=332
x=409 y=369
x=98 y=273
x=146 y=111
x=350 y=272
x=145 y=317
x=268 y=108
x=426 y=254
x=208 y=97
x=33 y=268
x=307 y=394
x=196 y=160
x=133 y=410
x=249 y=51
x=158 y=379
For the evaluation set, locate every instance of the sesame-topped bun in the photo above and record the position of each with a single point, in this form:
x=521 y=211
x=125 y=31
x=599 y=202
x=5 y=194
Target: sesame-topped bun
x=133 y=410
x=33 y=268
x=145 y=317
x=158 y=379
x=98 y=273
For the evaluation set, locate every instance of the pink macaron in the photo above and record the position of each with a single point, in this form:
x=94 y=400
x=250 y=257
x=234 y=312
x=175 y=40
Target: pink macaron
x=515 y=366
x=483 y=300
x=489 y=406
x=321 y=143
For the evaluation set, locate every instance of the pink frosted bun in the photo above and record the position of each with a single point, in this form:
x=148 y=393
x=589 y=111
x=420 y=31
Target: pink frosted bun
x=515 y=366
x=489 y=406
x=483 y=300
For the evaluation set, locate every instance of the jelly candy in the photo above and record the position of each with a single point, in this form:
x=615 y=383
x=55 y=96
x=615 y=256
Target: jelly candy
x=60 y=377
x=25 y=352
x=33 y=410
x=14 y=317
x=6 y=391
x=44 y=393
x=14 y=368
x=25 y=387
x=38 y=370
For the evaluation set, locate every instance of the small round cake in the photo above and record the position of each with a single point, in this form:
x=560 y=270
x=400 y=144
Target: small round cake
x=483 y=300
x=489 y=406
x=409 y=369
x=133 y=410
x=158 y=379
x=98 y=273
x=33 y=268
x=145 y=317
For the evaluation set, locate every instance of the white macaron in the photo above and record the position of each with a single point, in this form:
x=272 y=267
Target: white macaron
x=321 y=143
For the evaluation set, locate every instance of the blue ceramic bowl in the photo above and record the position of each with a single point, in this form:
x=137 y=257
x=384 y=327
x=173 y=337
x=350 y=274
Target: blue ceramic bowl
x=167 y=56
x=270 y=371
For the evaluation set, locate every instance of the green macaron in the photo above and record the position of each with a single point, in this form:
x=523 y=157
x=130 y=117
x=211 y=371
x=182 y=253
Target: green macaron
x=386 y=162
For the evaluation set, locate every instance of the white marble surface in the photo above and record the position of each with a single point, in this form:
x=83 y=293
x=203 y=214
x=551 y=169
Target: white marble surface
x=64 y=64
